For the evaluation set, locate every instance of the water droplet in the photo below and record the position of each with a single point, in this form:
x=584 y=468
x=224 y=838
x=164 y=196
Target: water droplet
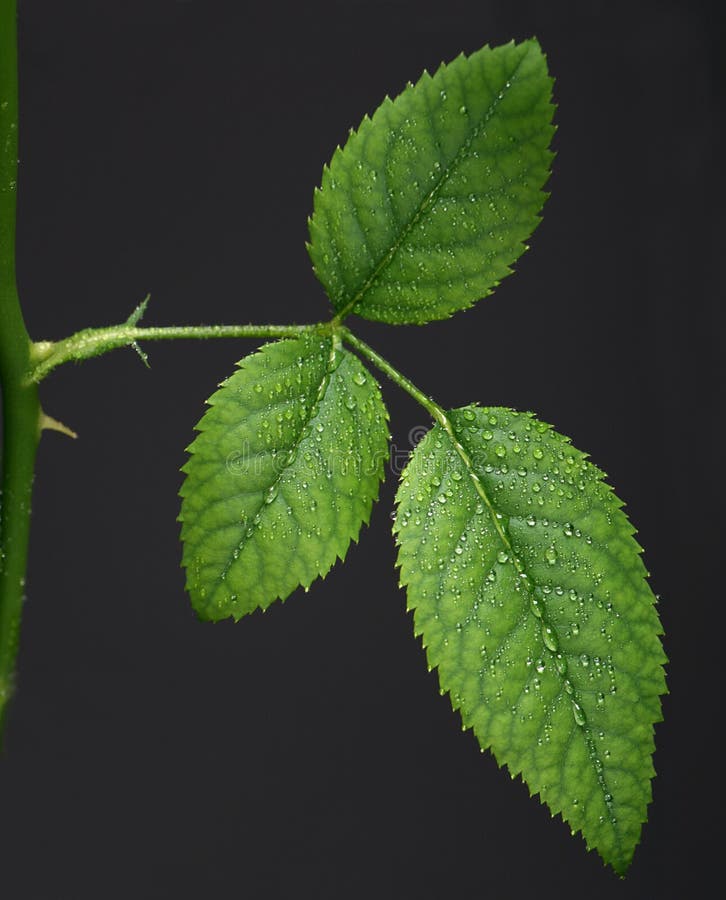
x=469 y=415
x=551 y=555
x=578 y=713
x=359 y=378
x=502 y=557
x=550 y=638
x=538 y=453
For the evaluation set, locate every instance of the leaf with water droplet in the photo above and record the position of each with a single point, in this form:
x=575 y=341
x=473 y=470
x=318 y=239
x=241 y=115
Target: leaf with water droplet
x=270 y=501
x=460 y=160
x=578 y=725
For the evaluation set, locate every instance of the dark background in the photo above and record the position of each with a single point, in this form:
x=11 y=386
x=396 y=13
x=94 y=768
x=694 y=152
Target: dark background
x=172 y=147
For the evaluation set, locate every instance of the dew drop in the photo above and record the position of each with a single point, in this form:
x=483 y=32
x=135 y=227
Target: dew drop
x=550 y=638
x=578 y=713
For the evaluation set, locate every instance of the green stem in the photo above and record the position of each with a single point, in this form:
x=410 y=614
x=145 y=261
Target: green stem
x=96 y=341
x=21 y=408
x=433 y=408
x=437 y=413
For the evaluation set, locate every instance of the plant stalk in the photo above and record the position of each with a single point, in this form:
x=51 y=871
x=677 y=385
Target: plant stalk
x=20 y=405
x=431 y=406
x=91 y=342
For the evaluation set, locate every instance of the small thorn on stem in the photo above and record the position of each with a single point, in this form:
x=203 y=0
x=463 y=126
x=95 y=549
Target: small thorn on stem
x=137 y=314
x=144 y=356
x=48 y=423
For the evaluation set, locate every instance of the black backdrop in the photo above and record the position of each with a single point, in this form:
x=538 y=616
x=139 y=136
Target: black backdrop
x=172 y=147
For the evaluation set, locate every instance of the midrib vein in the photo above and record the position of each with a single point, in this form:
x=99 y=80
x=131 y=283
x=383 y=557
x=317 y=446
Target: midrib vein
x=524 y=578
x=429 y=198
x=247 y=536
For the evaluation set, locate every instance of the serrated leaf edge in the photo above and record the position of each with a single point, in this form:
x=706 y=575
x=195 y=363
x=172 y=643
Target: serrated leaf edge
x=367 y=122
x=447 y=426
x=335 y=348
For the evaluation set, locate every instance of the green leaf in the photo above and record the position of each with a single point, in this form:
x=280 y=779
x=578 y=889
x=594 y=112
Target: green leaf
x=428 y=205
x=530 y=594
x=282 y=474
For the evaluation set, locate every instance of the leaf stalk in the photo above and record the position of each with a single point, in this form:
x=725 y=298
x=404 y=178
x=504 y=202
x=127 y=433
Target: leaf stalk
x=435 y=411
x=91 y=342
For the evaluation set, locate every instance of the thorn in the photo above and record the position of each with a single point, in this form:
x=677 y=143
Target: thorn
x=48 y=423
x=144 y=356
x=136 y=315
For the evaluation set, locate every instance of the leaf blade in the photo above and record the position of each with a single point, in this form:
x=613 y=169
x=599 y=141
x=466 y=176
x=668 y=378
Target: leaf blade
x=281 y=476
x=541 y=623
x=428 y=205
